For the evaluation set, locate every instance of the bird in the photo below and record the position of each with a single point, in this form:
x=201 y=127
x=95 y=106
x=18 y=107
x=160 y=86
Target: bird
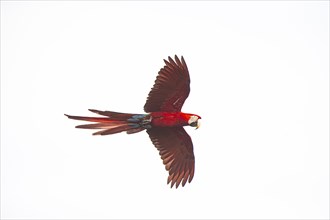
x=162 y=120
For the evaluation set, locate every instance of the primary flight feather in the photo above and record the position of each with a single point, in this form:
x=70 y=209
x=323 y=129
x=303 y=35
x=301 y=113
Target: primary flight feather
x=163 y=121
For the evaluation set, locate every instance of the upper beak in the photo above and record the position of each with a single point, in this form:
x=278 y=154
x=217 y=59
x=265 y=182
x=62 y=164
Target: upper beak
x=198 y=125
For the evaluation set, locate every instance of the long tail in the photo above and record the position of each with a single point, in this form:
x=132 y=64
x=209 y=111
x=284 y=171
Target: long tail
x=114 y=122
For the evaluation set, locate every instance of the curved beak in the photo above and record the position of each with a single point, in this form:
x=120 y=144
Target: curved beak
x=198 y=124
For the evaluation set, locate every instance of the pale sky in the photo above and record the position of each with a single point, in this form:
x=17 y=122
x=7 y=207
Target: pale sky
x=259 y=79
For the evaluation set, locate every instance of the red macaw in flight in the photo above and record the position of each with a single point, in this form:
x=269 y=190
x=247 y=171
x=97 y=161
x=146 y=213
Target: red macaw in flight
x=163 y=122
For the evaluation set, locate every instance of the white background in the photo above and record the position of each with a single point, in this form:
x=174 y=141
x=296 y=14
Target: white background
x=259 y=79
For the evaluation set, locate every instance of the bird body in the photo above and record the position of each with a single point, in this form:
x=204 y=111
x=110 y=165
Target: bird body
x=170 y=119
x=163 y=121
x=117 y=122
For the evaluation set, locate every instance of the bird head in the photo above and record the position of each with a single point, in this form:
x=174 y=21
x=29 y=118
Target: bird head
x=194 y=121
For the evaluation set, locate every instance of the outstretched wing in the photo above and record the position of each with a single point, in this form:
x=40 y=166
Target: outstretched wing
x=176 y=150
x=171 y=88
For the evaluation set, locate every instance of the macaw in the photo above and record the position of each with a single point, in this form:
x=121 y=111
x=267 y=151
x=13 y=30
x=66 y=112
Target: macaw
x=163 y=121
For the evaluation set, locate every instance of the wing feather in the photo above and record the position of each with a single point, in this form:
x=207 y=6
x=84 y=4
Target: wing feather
x=171 y=88
x=176 y=150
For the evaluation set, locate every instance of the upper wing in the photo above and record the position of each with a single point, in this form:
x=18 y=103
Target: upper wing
x=171 y=87
x=176 y=150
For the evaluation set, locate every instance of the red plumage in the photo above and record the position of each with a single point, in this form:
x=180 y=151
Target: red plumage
x=171 y=88
x=163 y=121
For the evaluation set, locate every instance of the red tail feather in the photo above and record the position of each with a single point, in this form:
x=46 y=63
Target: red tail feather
x=92 y=119
x=113 y=115
x=115 y=122
x=114 y=130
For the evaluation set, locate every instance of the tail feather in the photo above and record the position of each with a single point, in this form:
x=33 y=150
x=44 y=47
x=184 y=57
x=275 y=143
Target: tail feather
x=113 y=115
x=115 y=122
x=100 y=125
x=113 y=130
x=92 y=119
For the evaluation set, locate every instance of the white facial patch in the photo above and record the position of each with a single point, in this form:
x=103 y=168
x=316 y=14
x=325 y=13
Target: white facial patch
x=192 y=119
